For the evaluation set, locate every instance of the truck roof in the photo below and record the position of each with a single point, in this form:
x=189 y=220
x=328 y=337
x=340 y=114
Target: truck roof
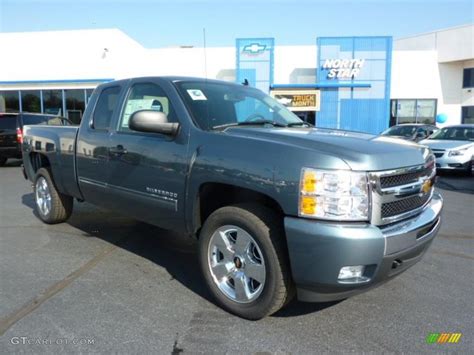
x=176 y=78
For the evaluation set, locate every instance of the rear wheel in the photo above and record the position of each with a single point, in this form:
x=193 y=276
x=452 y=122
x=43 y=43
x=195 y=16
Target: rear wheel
x=51 y=205
x=3 y=160
x=244 y=260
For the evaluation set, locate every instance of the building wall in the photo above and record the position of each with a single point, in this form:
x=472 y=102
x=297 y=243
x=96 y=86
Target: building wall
x=431 y=66
x=424 y=66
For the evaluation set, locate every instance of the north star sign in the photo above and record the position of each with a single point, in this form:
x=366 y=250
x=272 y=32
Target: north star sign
x=343 y=68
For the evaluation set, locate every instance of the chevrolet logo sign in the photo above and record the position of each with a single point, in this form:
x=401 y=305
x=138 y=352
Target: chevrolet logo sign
x=254 y=48
x=426 y=187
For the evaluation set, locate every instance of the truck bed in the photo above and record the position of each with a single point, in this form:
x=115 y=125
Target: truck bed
x=57 y=143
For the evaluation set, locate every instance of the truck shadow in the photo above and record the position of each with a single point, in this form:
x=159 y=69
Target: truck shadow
x=174 y=252
x=455 y=181
x=12 y=163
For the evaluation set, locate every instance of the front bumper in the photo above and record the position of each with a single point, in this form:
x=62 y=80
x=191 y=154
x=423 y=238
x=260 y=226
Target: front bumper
x=460 y=162
x=318 y=250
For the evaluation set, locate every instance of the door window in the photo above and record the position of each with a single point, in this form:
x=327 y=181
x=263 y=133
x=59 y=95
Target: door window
x=105 y=108
x=146 y=96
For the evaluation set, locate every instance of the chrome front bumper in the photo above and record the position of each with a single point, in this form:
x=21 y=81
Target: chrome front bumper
x=406 y=234
x=318 y=250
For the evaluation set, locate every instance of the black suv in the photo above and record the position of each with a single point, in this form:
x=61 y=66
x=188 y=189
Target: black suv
x=11 y=131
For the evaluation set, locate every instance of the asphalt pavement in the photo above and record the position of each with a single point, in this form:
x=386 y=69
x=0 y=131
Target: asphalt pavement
x=104 y=283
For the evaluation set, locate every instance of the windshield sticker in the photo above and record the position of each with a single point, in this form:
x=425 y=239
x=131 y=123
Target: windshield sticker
x=196 y=94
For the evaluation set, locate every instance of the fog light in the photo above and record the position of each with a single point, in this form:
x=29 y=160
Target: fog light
x=352 y=274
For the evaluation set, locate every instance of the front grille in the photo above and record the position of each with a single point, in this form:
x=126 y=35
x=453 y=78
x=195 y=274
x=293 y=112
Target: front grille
x=438 y=153
x=403 y=179
x=399 y=194
x=394 y=208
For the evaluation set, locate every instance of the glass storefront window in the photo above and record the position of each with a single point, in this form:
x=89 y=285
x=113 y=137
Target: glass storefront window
x=30 y=101
x=9 y=101
x=413 y=111
x=406 y=108
x=53 y=102
x=75 y=105
x=88 y=95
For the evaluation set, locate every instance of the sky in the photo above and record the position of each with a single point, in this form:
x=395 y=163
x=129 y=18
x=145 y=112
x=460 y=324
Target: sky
x=168 y=23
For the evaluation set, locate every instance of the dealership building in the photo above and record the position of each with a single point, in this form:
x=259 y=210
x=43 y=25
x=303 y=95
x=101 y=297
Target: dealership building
x=357 y=83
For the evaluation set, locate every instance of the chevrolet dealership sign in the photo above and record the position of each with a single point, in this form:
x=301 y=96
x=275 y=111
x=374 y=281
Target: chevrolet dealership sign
x=254 y=48
x=298 y=100
x=343 y=68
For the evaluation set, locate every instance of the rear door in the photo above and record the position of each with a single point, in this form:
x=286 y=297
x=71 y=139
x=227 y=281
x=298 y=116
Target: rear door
x=92 y=155
x=8 y=141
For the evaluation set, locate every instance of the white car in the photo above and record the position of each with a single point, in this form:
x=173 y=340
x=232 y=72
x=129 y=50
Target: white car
x=453 y=147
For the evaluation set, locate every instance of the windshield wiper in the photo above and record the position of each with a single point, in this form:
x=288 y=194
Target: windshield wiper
x=250 y=123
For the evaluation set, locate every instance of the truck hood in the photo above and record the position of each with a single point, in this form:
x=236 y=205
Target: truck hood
x=446 y=144
x=363 y=152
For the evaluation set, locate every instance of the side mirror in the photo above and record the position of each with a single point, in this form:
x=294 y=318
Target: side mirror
x=153 y=122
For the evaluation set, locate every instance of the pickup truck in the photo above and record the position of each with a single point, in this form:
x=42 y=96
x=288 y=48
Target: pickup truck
x=279 y=207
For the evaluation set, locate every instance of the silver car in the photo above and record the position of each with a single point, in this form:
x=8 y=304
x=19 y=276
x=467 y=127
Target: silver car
x=453 y=147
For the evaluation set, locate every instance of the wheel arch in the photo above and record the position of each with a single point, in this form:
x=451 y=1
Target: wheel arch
x=213 y=195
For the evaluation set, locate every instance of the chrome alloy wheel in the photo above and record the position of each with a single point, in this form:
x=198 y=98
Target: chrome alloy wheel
x=236 y=264
x=43 y=196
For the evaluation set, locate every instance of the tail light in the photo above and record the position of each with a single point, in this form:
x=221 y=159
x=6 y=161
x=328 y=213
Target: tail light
x=19 y=135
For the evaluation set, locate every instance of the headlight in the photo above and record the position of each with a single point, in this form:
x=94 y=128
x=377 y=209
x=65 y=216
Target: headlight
x=457 y=152
x=334 y=195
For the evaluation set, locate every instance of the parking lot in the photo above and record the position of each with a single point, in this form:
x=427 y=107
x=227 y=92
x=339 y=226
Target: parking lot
x=104 y=283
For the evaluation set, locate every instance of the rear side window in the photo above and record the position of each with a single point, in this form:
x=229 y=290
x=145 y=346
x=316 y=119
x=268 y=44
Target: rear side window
x=7 y=122
x=105 y=108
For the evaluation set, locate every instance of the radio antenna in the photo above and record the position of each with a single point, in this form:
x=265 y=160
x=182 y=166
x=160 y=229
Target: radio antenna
x=205 y=51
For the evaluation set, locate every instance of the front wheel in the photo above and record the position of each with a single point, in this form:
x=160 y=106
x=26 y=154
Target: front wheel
x=244 y=260
x=51 y=205
x=3 y=160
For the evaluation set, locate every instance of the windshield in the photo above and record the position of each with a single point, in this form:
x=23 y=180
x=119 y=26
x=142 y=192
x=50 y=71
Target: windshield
x=403 y=131
x=454 y=134
x=219 y=105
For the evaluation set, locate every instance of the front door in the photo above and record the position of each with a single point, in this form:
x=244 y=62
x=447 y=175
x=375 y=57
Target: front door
x=147 y=171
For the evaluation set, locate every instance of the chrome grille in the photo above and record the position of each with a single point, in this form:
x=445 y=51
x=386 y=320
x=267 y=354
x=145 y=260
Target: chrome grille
x=402 y=193
x=401 y=206
x=402 y=179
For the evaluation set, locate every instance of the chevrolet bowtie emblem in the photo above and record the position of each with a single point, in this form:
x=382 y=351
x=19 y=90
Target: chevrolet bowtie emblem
x=426 y=186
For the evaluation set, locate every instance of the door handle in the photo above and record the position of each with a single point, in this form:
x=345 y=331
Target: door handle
x=118 y=150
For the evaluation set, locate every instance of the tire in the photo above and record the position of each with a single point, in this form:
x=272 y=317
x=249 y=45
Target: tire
x=3 y=160
x=265 y=257
x=52 y=206
x=469 y=169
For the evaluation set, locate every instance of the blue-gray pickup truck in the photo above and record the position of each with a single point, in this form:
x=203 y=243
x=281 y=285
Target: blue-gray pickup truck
x=279 y=207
